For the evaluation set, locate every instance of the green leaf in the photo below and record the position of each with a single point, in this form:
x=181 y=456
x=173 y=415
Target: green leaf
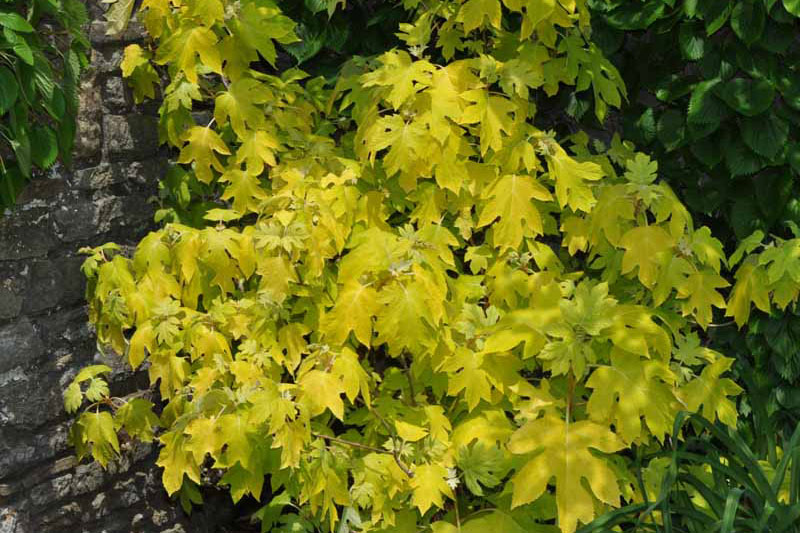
x=8 y=89
x=745 y=217
x=72 y=397
x=13 y=21
x=715 y=13
x=671 y=129
x=97 y=390
x=792 y=6
x=704 y=106
x=747 y=96
x=44 y=146
x=691 y=40
x=635 y=16
x=22 y=151
x=91 y=371
x=707 y=150
x=19 y=45
x=747 y=20
x=137 y=418
x=481 y=465
x=764 y=134
x=793 y=156
x=740 y=160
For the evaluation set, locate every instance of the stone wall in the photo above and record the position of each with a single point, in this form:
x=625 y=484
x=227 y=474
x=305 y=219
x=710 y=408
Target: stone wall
x=44 y=335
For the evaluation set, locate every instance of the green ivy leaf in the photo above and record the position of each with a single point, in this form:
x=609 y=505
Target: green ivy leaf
x=714 y=13
x=765 y=134
x=747 y=20
x=704 y=106
x=792 y=6
x=44 y=146
x=747 y=96
x=19 y=45
x=691 y=41
x=8 y=89
x=13 y=21
x=671 y=129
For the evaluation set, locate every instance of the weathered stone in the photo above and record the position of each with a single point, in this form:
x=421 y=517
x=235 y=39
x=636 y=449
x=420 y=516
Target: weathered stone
x=10 y=296
x=106 y=61
x=130 y=137
x=105 y=176
x=98 y=33
x=19 y=344
x=89 y=133
x=26 y=233
x=54 y=282
x=76 y=221
x=115 y=95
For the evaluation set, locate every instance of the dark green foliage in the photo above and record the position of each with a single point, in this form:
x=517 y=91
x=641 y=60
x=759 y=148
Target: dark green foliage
x=42 y=51
x=720 y=89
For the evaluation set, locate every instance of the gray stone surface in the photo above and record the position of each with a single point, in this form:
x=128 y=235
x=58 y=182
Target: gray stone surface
x=44 y=333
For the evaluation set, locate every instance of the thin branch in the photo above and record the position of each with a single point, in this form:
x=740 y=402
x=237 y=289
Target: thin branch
x=722 y=325
x=411 y=391
x=393 y=452
x=350 y=443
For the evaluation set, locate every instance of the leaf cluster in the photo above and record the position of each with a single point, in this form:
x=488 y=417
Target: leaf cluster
x=42 y=53
x=390 y=299
x=717 y=102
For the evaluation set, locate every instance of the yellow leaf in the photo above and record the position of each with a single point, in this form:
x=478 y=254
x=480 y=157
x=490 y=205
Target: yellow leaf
x=711 y=391
x=239 y=104
x=353 y=376
x=512 y=200
x=465 y=373
x=403 y=76
x=409 y=432
x=700 y=289
x=563 y=455
x=177 y=461
x=493 y=113
x=632 y=388
x=570 y=177
x=322 y=390
x=185 y=45
x=204 y=438
x=473 y=12
x=258 y=147
x=140 y=73
x=245 y=190
x=429 y=485
x=751 y=287
x=646 y=248
x=355 y=306
x=200 y=143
